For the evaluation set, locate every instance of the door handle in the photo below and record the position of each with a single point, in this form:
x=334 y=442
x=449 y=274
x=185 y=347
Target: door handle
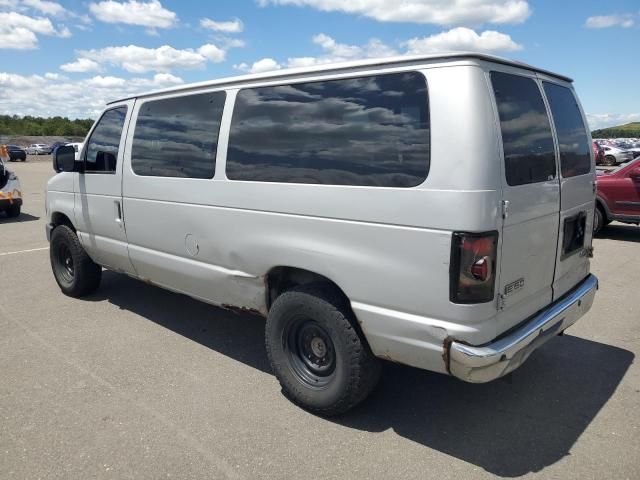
x=118 y=210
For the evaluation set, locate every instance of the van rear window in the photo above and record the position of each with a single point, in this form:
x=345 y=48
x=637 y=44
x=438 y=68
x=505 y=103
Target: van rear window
x=527 y=141
x=371 y=131
x=178 y=137
x=573 y=142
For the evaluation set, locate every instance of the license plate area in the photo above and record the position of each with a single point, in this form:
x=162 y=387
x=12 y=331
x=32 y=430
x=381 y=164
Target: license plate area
x=573 y=234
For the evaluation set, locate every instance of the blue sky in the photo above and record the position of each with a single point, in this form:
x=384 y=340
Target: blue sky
x=70 y=57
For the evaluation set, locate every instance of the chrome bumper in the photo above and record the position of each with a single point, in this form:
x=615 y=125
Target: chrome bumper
x=493 y=360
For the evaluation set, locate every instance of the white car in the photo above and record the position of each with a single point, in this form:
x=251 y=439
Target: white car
x=615 y=155
x=325 y=199
x=10 y=192
x=38 y=149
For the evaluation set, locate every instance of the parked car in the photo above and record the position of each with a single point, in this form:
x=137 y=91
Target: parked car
x=77 y=147
x=10 y=192
x=635 y=150
x=55 y=145
x=618 y=196
x=615 y=156
x=598 y=152
x=325 y=204
x=16 y=153
x=39 y=149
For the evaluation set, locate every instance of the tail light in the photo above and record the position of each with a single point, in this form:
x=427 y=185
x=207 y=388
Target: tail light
x=473 y=267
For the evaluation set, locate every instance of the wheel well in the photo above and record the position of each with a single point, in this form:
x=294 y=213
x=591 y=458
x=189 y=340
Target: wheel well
x=58 y=218
x=281 y=279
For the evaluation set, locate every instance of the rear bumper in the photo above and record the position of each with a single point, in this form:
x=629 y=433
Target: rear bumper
x=487 y=362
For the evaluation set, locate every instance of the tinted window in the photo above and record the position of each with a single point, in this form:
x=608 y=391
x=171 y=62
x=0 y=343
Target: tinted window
x=360 y=131
x=573 y=142
x=102 y=150
x=178 y=137
x=526 y=132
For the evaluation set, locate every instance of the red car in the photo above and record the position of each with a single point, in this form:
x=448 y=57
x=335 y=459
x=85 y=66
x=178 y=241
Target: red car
x=598 y=152
x=618 y=195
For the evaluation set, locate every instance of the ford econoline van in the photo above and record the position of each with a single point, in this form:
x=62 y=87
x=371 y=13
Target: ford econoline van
x=434 y=211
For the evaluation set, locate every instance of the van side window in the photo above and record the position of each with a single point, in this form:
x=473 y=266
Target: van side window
x=573 y=142
x=371 y=131
x=529 y=153
x=178 y=137
x=102 y=149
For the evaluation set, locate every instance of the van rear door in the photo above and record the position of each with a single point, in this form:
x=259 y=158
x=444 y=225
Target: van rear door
x=577 y=187
x=531 y=198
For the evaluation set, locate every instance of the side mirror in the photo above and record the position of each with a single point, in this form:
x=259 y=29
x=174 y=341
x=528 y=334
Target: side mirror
x=64 y=159
x=634 y=174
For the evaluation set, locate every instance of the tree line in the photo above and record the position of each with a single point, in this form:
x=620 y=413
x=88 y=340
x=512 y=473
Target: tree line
x=625 y=131
x=52 y=126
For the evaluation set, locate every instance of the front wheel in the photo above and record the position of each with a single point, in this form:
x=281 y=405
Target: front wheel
x=599 y=220
x=76 y=274
x=317 y=354
x=609 y=160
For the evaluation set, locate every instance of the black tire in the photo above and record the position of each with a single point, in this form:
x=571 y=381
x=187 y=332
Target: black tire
x=13 y=211
x=77 y=275
x=599 y=220
x=303 y=323
x=609 y=160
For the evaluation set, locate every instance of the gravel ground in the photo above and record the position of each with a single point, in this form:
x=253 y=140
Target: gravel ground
x=137 y=382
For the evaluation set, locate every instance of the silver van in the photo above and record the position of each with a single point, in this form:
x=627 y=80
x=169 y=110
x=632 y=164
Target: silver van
x=434 y=211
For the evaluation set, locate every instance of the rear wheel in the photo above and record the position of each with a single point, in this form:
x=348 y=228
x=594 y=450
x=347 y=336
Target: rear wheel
x=13 y=211
x=317 y=354
x=76 y=274
x=609 y=160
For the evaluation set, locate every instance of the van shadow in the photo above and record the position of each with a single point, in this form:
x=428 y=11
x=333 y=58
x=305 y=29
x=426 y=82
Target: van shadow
x=510 y=427
x=617 y=231
x=24 y=217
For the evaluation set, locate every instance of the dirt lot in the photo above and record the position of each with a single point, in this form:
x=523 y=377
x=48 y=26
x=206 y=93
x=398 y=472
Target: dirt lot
x=137 y=382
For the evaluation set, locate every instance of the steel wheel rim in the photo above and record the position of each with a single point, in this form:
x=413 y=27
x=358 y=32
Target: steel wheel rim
x=64 y=263
x=311 y=352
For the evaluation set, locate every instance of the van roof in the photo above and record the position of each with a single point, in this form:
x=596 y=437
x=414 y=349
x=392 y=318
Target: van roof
x=329 y=67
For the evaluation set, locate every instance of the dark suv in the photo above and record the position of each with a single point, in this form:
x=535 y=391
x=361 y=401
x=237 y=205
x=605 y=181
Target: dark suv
x=16 y=153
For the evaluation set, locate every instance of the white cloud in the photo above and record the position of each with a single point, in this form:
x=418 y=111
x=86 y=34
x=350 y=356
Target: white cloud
x=80 y=66
x=147 y=14
x=263 y=65
x=18 y=39
x=51 y=95
x=39 y=25
x=605 y=21
x=440 y=12
x=233 y=26
x=462 y=39
x=456 y=39
x=45 y=6
x=64 y=32
x=106 y=82
x=212 y=53
x=19 y=32
x=603 y=120
x=135 y=59
x=54 y=76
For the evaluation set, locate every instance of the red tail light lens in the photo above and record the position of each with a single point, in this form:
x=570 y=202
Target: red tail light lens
x=473 y=267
